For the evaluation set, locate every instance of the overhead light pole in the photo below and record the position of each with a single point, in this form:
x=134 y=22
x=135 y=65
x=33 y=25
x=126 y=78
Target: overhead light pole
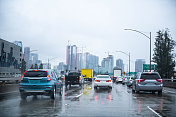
x=149 y=37
x=129 y=58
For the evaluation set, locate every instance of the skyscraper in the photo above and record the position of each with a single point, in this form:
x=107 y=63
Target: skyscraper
x=34 y=58
x=71 y=57
x=119 y=64
x=107 y=64
x=139 y=65
x=27 y=57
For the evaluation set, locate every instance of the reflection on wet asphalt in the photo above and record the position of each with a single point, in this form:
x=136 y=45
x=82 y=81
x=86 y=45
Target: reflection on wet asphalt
x=85 y=101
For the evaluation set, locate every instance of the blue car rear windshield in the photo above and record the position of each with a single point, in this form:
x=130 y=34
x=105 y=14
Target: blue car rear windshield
x=36 y=74
x=150 y=76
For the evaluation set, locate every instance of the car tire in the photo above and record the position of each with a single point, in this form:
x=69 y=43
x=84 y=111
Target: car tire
x=23 y=96
x=159 y=92
x=60 y=93
x=53 y=93
x=95 y=87
x=133 y=91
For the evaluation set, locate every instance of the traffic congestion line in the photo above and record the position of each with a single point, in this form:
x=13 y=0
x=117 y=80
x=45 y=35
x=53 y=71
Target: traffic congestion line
x=154 y=111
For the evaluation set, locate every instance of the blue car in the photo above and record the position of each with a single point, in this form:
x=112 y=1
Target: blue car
x=40 y=82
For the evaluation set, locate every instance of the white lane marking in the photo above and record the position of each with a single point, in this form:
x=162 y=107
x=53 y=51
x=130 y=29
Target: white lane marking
x=154 y=111
x=79 y=95
x=169 y=91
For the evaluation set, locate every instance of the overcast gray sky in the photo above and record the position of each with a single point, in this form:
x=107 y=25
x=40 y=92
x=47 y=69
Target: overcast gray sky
x=97 y=25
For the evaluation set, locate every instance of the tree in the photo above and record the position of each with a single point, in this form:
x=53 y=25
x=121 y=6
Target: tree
x=32 y=67
x=41 y=66
x=164 y=46
x=36 y=66
x=23 y=66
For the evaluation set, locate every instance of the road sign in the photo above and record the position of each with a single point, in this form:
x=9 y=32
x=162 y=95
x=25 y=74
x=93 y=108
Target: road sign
x=147 y=67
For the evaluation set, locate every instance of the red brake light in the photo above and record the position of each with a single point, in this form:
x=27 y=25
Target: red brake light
x=35 y=70
x=159 y=80
x=23 y=75
x=80 y=78
x=141 y=80
x=97 y=81
x=48 y=78
x=108 y=81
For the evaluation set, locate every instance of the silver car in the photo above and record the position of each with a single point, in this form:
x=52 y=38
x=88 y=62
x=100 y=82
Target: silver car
x=119 y=79
x=125 y=80
x=130 y=81
x=147 y=81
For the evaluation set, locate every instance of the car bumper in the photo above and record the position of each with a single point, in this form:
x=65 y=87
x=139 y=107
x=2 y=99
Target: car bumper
x=103 y=84
x=149 y=87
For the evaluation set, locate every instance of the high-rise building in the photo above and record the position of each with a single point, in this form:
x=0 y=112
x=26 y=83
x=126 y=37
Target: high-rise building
x=27 y=57
x=10 y=59
x=119 y=64
x=107 y=64
x=34 y=58
x=139 y=65
x=87 y=61
x=71 y=57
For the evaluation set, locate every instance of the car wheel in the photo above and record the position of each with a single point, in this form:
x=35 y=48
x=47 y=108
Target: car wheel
x=60 y=91
x=23 y=96
x=95 y=87
x=53 y=93
x=159 y=92
x=133 y=91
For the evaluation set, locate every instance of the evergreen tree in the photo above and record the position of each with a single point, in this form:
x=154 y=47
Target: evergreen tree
x=41 y=66
x=23 y=66
x=36 y=66
x=32 y=67
x=164 y=46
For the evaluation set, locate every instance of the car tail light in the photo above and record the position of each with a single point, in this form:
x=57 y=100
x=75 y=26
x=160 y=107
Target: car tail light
x=23 y=75
x=124 y=79
x=80 y=78
x=108 y=81
x=159 y=80
x=48 y=78
x=141 y=80
x=97 y=81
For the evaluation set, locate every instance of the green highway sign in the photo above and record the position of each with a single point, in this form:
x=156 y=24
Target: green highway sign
x=147 y=67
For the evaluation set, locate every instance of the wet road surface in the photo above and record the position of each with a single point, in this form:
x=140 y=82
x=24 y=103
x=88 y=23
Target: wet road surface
x=85 y=101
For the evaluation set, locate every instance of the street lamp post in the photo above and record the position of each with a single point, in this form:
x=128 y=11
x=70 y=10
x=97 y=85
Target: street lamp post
x=149 y=37
x=129 y=58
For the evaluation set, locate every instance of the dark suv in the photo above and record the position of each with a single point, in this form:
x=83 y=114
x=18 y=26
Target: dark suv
x=40 y=82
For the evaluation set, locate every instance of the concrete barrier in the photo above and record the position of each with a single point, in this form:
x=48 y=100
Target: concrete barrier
x=171 y=83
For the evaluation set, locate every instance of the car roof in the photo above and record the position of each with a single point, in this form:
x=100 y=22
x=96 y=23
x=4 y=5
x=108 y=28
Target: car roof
x=39 y=69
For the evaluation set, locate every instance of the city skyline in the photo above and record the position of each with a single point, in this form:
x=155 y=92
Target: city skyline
x=47 y=26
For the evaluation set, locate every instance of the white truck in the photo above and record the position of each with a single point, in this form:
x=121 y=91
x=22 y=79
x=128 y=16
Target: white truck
x=116 y=72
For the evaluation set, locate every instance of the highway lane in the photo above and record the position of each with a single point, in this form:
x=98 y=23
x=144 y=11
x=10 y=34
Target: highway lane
x=85 y=101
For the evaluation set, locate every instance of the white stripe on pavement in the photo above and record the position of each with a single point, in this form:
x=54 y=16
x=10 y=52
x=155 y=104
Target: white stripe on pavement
x=154 y=111
x=79 y=95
